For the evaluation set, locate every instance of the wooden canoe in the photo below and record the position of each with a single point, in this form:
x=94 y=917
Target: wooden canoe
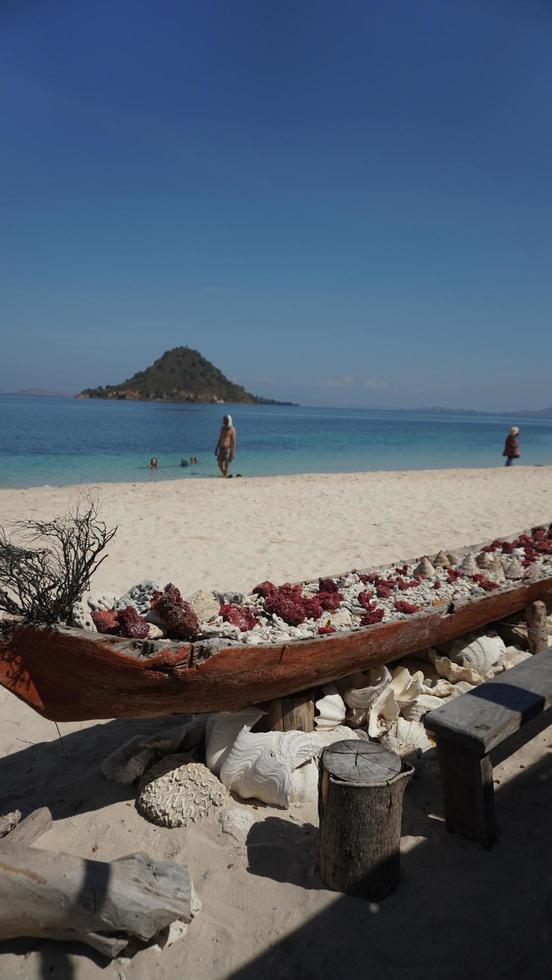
x=71 y=675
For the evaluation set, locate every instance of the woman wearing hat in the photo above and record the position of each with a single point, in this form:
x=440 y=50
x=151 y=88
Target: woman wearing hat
x=511 y=446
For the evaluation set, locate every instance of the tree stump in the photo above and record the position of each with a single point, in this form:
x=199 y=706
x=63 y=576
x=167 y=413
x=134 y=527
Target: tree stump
x=360 y=791
x=537 y=633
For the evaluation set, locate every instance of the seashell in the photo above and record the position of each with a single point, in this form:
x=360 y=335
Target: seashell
x=304 y=783
x=469 y=565
x=453 y=559
x=362 y=697
x=485 y=560
x=497 y=572
x=382 y=713
x=237 y=822
x=177 y=790
x=416 y=709
x=453 y=672
x=504 y=561
x=439 y=688
x=512 y=657
x=331 y=710
x=406 y=686
x=424 y=569
x=461 y=687
x=515 y=569
x=221 y=732
x=342 y=619
x=260 y=765
x=483 y=654
x=532 y=573
x=408 y=739
x=441 y=560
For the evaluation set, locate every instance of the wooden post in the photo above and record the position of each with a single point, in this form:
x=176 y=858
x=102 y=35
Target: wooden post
x=468 y=792
x=294 y=713
x=537 y=633
x=360 y=791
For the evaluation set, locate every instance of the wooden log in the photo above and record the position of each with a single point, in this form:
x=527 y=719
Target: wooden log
x=468 y=792
x=58 y=896
x=360 y=793
x=537 y=632
x=33 y=826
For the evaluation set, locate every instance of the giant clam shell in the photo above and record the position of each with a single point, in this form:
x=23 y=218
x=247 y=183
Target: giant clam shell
x=331 y=710
x=416 y=709
x=260 y=765
x=408 y=739
x=453 y=672
x=484 y=653
x=406 y=686
x=362 y=697
x=221 y=732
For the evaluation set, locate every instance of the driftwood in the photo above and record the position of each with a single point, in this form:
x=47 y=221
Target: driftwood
x=360 y=791
x=51 y=895
x=537 y=632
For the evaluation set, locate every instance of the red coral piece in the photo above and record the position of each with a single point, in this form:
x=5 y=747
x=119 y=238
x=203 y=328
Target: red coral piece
x=240 y=616
x=312 y=607
x=437 y=584
x=131 y=624
x=365 y=599
x=327 y=585
x=265 y=589
x=329 y=600
x=325 y=630
x=177 y=616
x=384 y=591
x=105 y=620
x=369 y=618
x=292 y=612
x=402 y=570
x=405 y=607
x=453 y=574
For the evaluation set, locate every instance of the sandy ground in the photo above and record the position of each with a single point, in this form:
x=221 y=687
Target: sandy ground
x=459 y=910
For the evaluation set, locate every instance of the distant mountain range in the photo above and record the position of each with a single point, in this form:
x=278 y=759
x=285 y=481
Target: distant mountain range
x=41 y=393
x=180 y=375
x=519 y=413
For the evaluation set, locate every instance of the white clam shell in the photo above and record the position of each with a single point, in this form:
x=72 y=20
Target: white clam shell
x=331 y=710
x=221 y=732
x=408 y=738
x=515 y=569
x=416 y=709
x=453 y=672
x=484 y=654
x=406 y=686
x=260 y=765
x=362 y=697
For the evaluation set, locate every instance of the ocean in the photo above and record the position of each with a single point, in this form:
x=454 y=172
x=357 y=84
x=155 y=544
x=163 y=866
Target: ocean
x=57 y=441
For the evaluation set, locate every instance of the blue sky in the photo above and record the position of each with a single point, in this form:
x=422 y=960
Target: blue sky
x=338 y=203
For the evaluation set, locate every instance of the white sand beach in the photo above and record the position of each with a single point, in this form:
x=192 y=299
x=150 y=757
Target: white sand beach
x=459 y=910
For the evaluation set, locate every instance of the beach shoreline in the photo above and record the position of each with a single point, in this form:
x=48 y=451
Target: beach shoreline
x=228 y=535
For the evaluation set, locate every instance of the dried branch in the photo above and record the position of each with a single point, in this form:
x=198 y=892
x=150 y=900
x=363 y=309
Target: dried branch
x=42 y=584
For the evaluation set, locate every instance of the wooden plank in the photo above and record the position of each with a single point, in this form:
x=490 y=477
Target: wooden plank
x=468 y=792
x=484 y=717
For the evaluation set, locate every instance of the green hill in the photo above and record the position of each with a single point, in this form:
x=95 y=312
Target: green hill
x=180 y=375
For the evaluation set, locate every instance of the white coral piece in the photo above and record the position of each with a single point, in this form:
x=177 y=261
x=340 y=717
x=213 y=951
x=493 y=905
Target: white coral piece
x=177 y=791
x=483 y=653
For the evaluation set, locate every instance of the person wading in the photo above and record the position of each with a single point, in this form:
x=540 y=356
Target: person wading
x=226 y=445
x=511 y=446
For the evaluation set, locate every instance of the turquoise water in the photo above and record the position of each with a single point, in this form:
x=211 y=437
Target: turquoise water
x=59 y=441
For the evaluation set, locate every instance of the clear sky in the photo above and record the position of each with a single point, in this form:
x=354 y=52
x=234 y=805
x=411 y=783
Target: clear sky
x=343 y=203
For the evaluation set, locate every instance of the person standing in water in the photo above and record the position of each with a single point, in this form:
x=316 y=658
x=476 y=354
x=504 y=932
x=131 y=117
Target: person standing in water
x=511 y=446
x=226 y=445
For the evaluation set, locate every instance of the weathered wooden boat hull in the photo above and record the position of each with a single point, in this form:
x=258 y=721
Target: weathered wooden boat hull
x=71 y=675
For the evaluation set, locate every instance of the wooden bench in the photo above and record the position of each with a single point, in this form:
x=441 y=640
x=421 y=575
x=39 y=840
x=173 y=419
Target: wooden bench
x=468 y=728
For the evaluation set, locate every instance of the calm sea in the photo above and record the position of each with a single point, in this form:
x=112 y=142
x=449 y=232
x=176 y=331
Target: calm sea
x=60 y=441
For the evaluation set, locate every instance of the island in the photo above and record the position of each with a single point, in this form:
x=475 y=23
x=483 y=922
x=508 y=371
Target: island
x=180 y=375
